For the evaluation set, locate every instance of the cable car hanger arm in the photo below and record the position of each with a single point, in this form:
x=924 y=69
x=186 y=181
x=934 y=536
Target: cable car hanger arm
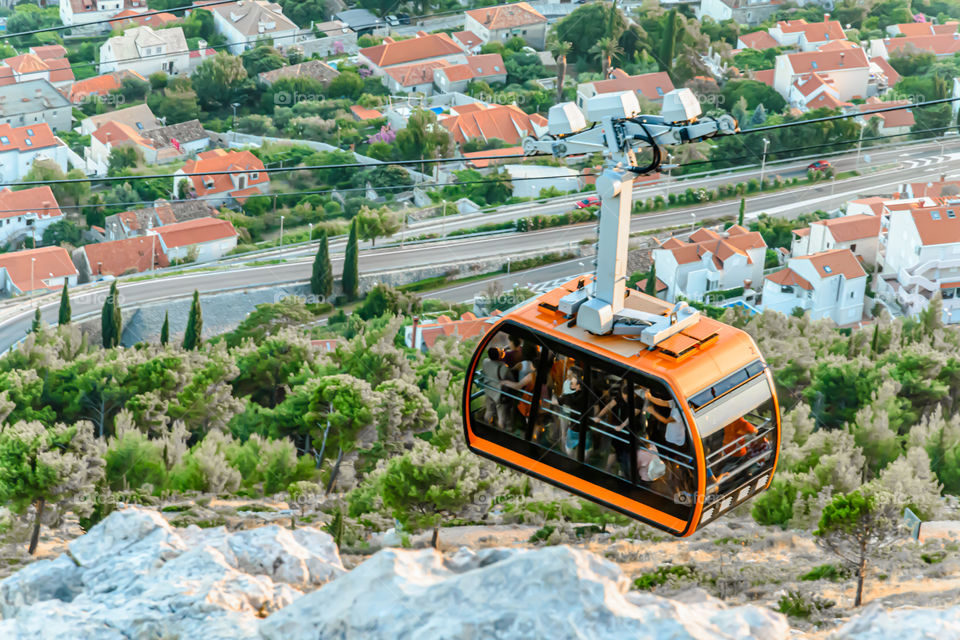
x=618 y=132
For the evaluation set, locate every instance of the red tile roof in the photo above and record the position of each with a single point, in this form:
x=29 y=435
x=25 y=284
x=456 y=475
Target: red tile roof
x=910 y=29
x=901 y=118
x=834 y=262
x=789 y=278
x=129 y=16
x=481 y=66
x=468 y=39
x=117 y=132
x=827 y=100
x=931 y=189
x=838 y=45
x=38 y=200
x=814 y=31
x=941 y=45
x=646 y=84
x=406 y=51
x=26 y=138
x=121 y=256
x=855 y=227
x=43 y=263
x=47 y=51
x=642 y=285
x=362 y=113
x=506 y=122
x=892 y=76
x=828 y=60
x=758 y=40
x=411 y=75
x=810 y=83
x=97 y=86
x=711 y=242
x=467 y=327
x=222 y=160
x=765 y=76
x=184 y=234
x=507 y=16
x=935 y=225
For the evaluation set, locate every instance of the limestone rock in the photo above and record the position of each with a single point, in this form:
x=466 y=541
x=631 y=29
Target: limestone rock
x=905 y=623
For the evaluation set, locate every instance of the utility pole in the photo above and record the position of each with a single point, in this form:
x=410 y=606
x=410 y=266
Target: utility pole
x=32 y=262
x=763 y=161
x=281 y=236
x=863 y=126
x=443 y=220
x=235 y=105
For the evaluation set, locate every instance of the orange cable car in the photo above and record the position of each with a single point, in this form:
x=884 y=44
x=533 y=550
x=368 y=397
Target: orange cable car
x=673 y=435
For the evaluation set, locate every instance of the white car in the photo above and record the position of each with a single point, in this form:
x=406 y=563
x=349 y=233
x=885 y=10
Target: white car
x=393 y=21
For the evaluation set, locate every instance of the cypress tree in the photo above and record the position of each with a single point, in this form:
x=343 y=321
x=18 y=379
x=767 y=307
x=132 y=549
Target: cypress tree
x=111 y=321
x=321 y=282
x=743 y=208
x=37 y=322
x=65 y=312
x=351 y=269
x=668 y=46
x=165 y=329
x=651 y=288
x=191 y=339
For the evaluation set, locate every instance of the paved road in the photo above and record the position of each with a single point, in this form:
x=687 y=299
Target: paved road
x=15 y=321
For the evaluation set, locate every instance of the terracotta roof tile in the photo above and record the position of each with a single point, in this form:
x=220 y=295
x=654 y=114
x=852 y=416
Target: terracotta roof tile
x=765 y=76
x=834 y=262
x=789 y=278
x=507 y=16
x=828 y=60
x=411 y=75
x=468 y=39
x=362 y=113
x=27 y=138
x=901 y=118
x=407 y=51
x=97 y=85
x=814 y=31
x=653 y=86
x=183 y=234
x=936 y=226
x=121 y=256
x=483 y=164
x=20 y=265
x=838 y=45
x=892 y=76
x=505 y=122
x=941 y=45
x=39 y=200
x=855 y=227
x=759 y=40
x=222 y=160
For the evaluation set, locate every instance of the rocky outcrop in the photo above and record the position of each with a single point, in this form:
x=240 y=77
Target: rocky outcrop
x=907 y=623
x=135 y=576
x=507 y=594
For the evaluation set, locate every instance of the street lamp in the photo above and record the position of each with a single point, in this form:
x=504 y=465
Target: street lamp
x=310 y=226
x=763 y=161
x=235 y=105
x=863 y=127
x=281 y=235
x=32 y=261
x=508 y=266
x=443 y=220
x=693 y=221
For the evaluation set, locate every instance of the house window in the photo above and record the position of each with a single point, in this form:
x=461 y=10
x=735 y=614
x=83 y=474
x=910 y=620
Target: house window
x=851 y=295
x=29 y=132
x=827 y=269
x=809 y=295
x=814 y=64
x=660 y=91
x=951 y=214
x=935 y=215
x=28 y=142
x=4 y=140
x=140 y=126
x=786 y=289
x=853 y=247
x=254 y=175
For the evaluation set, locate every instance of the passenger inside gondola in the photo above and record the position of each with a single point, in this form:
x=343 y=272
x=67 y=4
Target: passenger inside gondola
x=523 y=386
x=494 y=373
x=616 y=416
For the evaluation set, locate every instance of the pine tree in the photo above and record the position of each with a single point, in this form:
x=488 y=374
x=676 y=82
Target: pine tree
x=37 y=322
x=743 y=210
x=351 y=269
x=321 y=282
x=165 y=329
x=651 y=288
x=65 y=312
x=111 y=320
x=191 y=339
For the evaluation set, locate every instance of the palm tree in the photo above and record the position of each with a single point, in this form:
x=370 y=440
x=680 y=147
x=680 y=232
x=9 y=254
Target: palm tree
x=606 y=48
x=559 y=50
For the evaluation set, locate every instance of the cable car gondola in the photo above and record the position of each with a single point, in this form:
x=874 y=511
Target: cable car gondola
x=643 y=406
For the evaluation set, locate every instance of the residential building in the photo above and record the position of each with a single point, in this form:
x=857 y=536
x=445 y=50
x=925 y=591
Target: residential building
x=146 y=51
x=923 y=257
x=940 y=189
x=649 y=86
x=39 y=63
x=859 y=233
x=413 y=78
x=890 y=122
x=940 y=45
x=26 y=214
x=138 y=117
x=488 y=67
x=829 y=284
x=46 y=268
x=136 y=222
x=245 y=22
x=130 y=18
x=316 y=69
x=360 y=21
x=531 y=179
x=469 y=41
x=484 y=159
x=740 y=11
x=504 y=122
x=710 y=261
x=33 y=102
x=846 y=71
x=200 y=240
x=120 y=257
x=758 y=40
x=80 y=12
x=176 y=141
x=363 y=114
x=20 y=147
x=160 y=145
x=911 y=29
x=100 y=86
x=813 y=91
x=806 y=36
x=423 y=48
x=422 y=336
x=206 y=179
x=500 y=23
x=884 y=75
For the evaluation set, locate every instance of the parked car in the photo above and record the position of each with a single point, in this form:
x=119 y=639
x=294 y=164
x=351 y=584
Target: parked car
x=404 y=18
x=819 y=165
x=589 y=201
x=393 y=21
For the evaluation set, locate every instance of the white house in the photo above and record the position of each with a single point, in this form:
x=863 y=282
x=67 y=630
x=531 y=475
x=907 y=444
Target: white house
x=846 y=71
x=48 y=63
x=146 y=51
x=200 y=240
x=423 y=48
x=207 y=177
x=829 y=284
x=651 y=86
x=139 y=117
x=80 y=12
x=890 y=122
x=499 y=24
x=413 y=78
x=244 y=22
x=859 y=233
x=455 y=78
x=27 y=213
x=36 y=269
x=35 y=102
x=923 y=256
x=710 y=261
x=20 y=147
x=806 y=36
x=740 y=11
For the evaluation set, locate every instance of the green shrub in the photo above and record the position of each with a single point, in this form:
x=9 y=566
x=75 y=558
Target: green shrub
x=828 y=571
x=775 y=505
x=133 y=460
x=796 y=605
x=661 y=575
x=542 y=534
